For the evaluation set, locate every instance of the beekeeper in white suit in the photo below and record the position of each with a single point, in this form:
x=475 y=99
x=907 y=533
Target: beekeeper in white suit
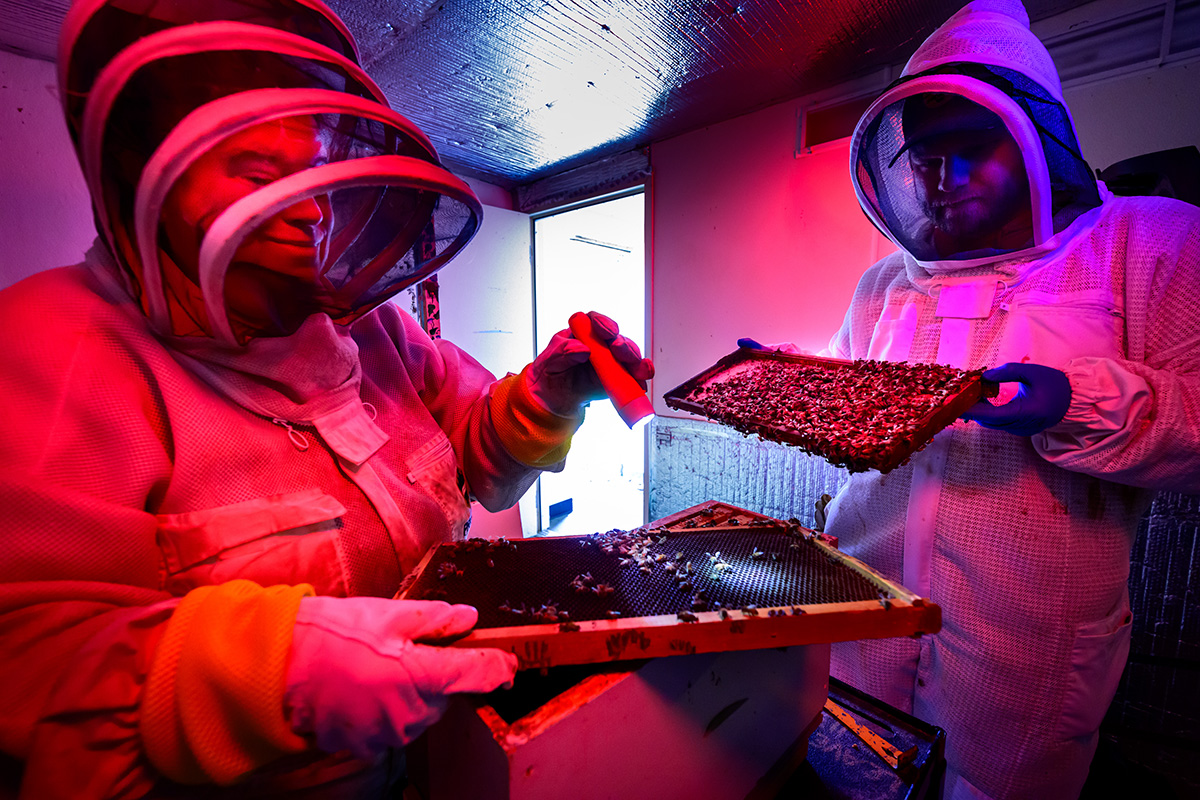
x=1019 y=527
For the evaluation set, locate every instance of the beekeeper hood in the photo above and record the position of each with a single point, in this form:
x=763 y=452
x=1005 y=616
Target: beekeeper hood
x=154 y=90
x=982 y=77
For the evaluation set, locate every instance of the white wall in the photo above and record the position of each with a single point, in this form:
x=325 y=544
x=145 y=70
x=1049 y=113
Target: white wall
x=45 y=215
x=486 y=298
x=749 y=240
x=1140 y=113
x=486 y=293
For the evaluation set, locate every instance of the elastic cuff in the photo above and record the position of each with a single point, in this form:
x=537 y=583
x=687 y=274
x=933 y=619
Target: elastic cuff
x=1108 y=403
x=531 y=433
x=1103 y=394
x=212 y=709
x=1083 y=396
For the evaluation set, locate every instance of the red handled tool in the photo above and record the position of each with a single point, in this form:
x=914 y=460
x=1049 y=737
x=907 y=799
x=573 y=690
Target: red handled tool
x=627 y=395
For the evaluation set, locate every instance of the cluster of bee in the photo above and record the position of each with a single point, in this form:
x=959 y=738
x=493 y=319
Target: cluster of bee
x=488 y=546
x=633 y=549
x=711 y=522
x=630 y=547
x=857 y=416
x=642 y=549
x=585 y=584
x=749 y=610
x=718 y=568
x=547 y=612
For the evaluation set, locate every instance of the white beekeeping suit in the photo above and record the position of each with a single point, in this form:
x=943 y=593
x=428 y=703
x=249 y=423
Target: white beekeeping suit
x=218 y=416
x=1023 y=541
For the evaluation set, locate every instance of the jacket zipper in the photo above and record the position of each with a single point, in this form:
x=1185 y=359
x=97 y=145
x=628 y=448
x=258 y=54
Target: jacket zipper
x=298 y=439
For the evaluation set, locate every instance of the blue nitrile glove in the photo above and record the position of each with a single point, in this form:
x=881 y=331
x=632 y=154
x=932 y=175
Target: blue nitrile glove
x=1040 y=402
x=777 y=347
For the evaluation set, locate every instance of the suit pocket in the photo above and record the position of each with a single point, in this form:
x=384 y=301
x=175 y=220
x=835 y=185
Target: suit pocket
x=284 y=538
x=434 y=468
x=1052 y=330
x=1097 y=661
x=893 y=336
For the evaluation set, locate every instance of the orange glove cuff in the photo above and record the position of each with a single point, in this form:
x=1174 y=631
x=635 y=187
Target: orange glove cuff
x=532 y=434
x=213 y=705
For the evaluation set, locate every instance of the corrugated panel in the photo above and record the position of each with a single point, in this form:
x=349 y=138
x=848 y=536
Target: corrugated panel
x=693 y=462
x=31 y=28
x=1155 y=716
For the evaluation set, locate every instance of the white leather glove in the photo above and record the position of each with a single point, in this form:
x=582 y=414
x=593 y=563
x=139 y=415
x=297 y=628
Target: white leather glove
x=358 y=680
x=561 y=377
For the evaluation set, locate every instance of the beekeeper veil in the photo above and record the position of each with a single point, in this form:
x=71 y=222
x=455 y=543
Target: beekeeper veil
x=985 y=74
x=156 y=90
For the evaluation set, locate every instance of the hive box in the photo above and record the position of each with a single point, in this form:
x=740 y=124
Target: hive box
x=712 y=726
x=716 y=707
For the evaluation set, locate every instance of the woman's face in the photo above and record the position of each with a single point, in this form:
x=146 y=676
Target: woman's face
x=274 y=281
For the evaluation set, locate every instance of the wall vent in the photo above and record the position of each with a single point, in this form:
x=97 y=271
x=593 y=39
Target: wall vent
x=828 y=123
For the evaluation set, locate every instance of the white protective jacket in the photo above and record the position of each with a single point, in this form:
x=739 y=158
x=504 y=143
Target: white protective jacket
x=128 y=480
x=205 y=424
x=1023 y=542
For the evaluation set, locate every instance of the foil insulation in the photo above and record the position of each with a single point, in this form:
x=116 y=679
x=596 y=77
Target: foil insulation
x=521 y=90
x=515 y=90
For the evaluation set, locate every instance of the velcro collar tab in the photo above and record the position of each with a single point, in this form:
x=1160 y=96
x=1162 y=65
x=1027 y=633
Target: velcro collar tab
x=350 y=433
x=967 y=298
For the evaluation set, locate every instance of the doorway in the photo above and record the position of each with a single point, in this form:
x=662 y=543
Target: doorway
x=592 y=258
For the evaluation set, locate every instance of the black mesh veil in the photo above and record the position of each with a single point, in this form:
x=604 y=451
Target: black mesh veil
x=229 y=144
x=1061 y=184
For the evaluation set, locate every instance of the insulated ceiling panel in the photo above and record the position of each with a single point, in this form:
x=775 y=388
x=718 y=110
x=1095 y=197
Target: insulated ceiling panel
x=515 y=90
x=521 y=89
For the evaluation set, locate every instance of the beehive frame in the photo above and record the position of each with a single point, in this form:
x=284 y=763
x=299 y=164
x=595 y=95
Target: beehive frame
x=689 y=396
x=892 y=611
